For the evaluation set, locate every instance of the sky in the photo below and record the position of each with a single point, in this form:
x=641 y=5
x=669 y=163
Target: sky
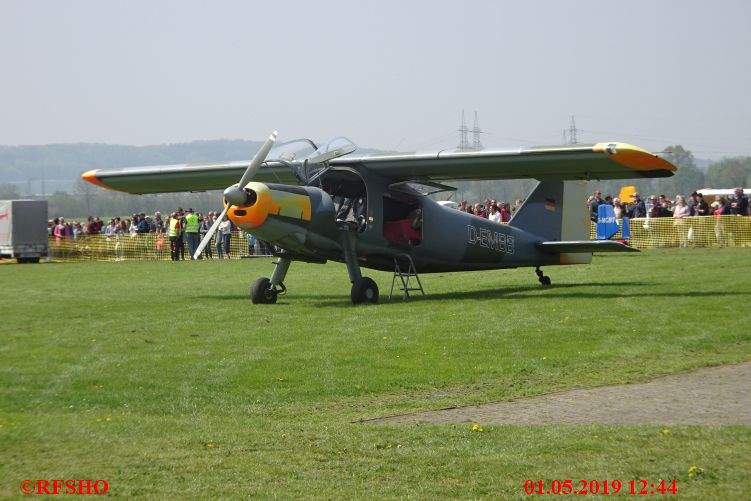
x=387 y=74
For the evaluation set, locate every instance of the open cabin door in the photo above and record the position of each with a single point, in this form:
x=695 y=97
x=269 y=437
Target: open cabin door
x=402 y=218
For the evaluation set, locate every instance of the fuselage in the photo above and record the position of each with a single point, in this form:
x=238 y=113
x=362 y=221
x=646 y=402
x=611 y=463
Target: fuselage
x=386 y=221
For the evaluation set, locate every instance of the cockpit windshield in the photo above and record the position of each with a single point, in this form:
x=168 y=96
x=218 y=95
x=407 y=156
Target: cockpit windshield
x=291 y=151
x=337 y=147
x=302 y=149
x=305 y=159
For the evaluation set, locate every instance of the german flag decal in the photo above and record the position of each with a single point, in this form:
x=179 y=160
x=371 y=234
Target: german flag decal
x=550 y=204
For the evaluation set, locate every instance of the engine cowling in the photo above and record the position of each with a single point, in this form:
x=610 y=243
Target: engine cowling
x=288 y=216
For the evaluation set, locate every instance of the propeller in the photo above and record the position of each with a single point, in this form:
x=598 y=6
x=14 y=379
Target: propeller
x=236 y=194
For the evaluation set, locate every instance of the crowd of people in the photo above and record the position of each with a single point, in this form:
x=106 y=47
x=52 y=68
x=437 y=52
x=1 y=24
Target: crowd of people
x=491 y=209
x=661 y=206
x=184 y=229
x=653 y=206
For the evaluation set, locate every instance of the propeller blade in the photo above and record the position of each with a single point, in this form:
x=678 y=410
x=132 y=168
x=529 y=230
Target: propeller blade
x=236 y=193
x=210 y=233
x=258 y=159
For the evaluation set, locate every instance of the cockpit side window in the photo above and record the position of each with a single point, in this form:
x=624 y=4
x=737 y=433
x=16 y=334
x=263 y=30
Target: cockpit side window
x=350 y=197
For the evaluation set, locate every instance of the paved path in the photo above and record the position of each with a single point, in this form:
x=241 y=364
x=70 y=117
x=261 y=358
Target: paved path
x=713 y=395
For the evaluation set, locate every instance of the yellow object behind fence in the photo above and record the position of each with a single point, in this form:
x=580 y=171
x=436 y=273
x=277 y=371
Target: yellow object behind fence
x=646 y=233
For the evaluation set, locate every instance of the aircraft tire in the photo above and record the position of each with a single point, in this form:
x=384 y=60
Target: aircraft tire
x=545 y=281
x=261 y=292
x=364 y=290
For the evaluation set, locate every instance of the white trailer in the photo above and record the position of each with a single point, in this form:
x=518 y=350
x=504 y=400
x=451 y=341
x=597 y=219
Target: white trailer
x=23 y=230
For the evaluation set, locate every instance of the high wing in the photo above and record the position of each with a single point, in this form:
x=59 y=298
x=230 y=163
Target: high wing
x=582 y=162
x=185 y=177
x=571 y=162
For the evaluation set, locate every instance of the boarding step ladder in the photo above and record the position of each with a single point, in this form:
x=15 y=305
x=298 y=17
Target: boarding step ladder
x=404 y=277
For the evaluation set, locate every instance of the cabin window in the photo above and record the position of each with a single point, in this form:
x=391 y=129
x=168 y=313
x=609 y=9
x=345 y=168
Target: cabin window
x=402 y=219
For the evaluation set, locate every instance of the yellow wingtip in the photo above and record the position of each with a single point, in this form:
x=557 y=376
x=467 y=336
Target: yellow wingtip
x=633 y=157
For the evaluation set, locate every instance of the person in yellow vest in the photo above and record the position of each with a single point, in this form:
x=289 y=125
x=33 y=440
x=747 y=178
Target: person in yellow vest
x=174 y=236
x=192 y=228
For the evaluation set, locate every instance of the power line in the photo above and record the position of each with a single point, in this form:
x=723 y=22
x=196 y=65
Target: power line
x=572 y=133
x=476 y=144
x=463 y=135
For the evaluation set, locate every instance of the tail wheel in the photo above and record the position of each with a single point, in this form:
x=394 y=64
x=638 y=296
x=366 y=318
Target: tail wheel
x=261 y=292
x=364 y=290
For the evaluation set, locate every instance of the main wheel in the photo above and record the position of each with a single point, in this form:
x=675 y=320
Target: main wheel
x=261 y=292
x=545 y=281
x=364 y=290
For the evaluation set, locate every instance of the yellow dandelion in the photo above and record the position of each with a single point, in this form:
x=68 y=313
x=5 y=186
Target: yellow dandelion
x=665 y=431
x=476 y=427
x=109 y=418
x=544 y=358
x=210 y=444
x=284 y=435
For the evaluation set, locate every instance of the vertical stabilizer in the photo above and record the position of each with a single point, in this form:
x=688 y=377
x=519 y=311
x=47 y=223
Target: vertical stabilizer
x=557 y=211
x=542 y=211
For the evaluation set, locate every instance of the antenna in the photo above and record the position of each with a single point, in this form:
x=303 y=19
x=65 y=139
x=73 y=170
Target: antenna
x=463 y=135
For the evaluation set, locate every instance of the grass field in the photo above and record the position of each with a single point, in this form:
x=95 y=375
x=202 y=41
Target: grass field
x=164 y=380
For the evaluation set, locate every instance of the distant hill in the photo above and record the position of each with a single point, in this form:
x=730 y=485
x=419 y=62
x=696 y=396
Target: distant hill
x=61 y=164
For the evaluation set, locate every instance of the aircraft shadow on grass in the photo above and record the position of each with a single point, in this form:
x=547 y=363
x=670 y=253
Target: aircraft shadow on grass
x=535 y=291
x=604 y=291
x=517 y=293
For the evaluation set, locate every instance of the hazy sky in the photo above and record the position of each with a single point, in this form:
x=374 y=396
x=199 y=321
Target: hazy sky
x=387 y=74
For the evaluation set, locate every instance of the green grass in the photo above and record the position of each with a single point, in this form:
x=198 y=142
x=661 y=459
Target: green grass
x=164 y=380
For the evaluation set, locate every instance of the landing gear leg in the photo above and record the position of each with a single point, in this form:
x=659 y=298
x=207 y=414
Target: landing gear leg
x=544 y=279
x=265 y=291
x=364 y=289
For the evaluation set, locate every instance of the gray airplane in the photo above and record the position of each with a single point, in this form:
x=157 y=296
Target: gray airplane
x=320 y=203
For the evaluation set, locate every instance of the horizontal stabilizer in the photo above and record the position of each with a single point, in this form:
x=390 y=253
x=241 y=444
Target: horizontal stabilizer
x=584 y=246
